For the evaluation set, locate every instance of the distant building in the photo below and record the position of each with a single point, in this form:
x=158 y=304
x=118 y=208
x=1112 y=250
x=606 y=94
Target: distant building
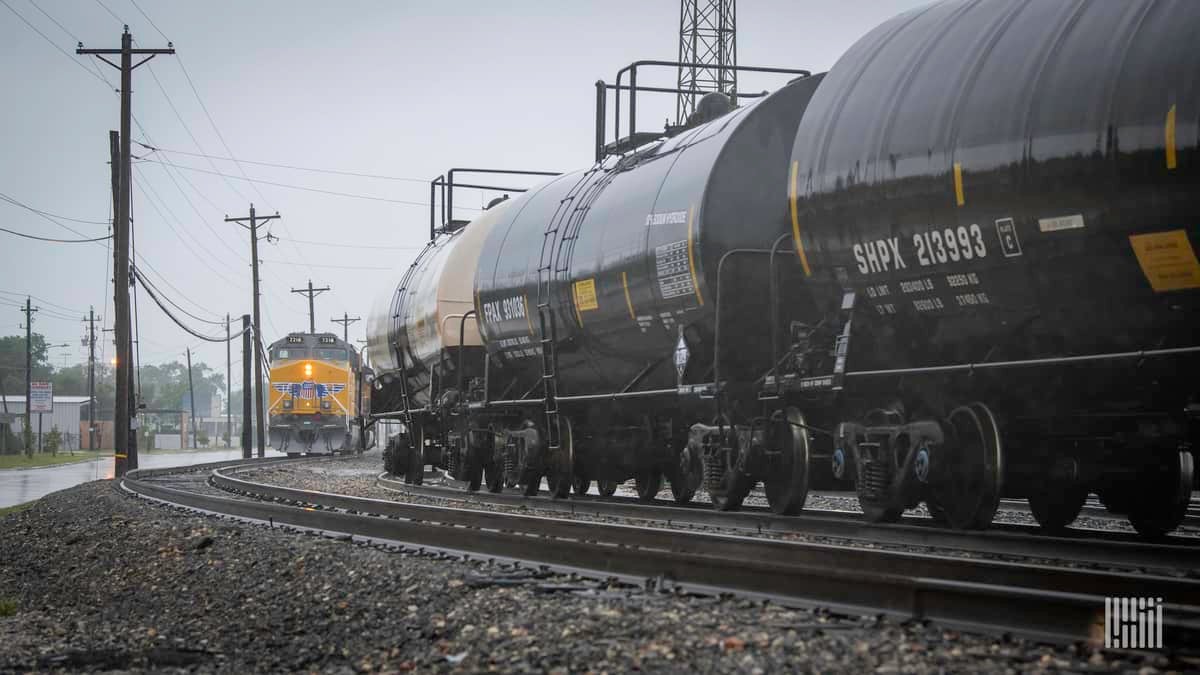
x=68 y=412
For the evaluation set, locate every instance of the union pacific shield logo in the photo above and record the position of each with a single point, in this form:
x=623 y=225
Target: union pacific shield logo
x=308 y=390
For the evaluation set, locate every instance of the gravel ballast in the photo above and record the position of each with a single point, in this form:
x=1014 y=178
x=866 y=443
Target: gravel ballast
x=97 y=580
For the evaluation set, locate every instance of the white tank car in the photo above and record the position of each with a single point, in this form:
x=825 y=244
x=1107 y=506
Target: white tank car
x=417 y=325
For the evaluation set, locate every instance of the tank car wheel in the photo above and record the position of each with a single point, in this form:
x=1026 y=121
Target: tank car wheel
x=786 y=484
x=494 y=477
x=607 y=488
x=416 y=457
x=648 y=482
x=530 y=481
x=968 y=492
x=1055 y=509
x=473 y=473
x=1163 y=505
x=686 y=478
x=560 y=467
x=580 y=483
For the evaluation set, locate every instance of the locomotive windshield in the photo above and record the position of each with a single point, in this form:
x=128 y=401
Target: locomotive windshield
x=288 y=353
x=331 y=354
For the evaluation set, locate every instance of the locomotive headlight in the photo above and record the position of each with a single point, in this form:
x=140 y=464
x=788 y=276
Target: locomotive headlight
x=325 y=405
x=308 y=370
x=287 y=404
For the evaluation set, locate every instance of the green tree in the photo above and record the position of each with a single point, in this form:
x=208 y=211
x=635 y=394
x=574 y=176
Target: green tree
x=165 y=386
x=12 y=362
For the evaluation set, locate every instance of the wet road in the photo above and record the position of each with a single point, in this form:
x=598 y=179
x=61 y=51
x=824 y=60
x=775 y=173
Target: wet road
x=17 y=486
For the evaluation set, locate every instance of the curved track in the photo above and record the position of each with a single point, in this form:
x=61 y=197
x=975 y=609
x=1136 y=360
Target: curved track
x=1049 y=602
x=1092 y=547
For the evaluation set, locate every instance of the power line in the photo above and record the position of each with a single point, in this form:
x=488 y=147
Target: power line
x=203 y=259
x=57 y=241
x=110 y=13
x=327 y=243
x=163 y=278
x=42 y=300
x=55 y=21
x=336 y=172
x=189 y=131
x=19 y=203
x=147 y=18
x=52 y=44
x=188 y=329
x=350 y=195
x=338 y=267
x=225 y=144
x=176 y=305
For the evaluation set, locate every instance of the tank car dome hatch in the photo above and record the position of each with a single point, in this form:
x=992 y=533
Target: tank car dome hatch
x=711 y=106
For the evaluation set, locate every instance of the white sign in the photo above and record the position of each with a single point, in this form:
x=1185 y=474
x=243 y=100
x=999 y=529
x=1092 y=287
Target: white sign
x=41 y=397
x=1133 y=623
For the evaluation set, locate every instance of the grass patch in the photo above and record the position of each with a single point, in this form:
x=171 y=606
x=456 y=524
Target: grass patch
x=7 y=607
x=46 y=459
x=13 y=509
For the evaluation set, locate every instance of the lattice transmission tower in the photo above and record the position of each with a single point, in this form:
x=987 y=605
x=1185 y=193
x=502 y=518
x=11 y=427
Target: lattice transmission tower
x=707 y=39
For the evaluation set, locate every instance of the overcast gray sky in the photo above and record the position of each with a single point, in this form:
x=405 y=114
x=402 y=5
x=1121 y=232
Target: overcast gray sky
x=400 y=89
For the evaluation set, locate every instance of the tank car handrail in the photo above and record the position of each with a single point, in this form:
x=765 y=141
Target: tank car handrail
x=1051 y=361
x=462 y=327
x=717 y=309
x=633 y=88
x=447 y=184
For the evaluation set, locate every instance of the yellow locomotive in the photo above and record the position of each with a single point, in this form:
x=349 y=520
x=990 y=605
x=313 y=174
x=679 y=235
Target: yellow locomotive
x=315 y=394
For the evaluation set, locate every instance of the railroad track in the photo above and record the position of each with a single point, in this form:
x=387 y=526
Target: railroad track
x=1093 y=508
x=1093 y=547
x=1053 y=603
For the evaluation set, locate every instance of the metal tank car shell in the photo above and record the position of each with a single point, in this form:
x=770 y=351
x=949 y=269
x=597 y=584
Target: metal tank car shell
x=959 y=266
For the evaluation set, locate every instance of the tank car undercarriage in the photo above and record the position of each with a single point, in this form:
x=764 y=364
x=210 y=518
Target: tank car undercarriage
x=958 y=463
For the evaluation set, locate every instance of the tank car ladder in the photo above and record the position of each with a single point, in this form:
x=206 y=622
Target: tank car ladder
x=399 y=304
x=566 y=219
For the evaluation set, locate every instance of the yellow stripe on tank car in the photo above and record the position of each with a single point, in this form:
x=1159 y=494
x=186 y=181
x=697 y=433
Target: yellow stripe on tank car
x=959 y=198
x=628 y=300
x=795 y=209
x=1170 y=138
x=528 y=317
x=692 y=258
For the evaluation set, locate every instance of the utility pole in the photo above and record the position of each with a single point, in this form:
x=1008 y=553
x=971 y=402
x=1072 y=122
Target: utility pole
x=228 y=387
x=247 y=386
x=311 y=293
x=258 y=364
x=346 y=321
x=27 y=431
x=191 y=397
x=91 y=378
x=126 y=452
x=708 y=44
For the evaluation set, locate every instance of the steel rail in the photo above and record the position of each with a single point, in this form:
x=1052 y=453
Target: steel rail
x=1053 y=603
x=1165 y=557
